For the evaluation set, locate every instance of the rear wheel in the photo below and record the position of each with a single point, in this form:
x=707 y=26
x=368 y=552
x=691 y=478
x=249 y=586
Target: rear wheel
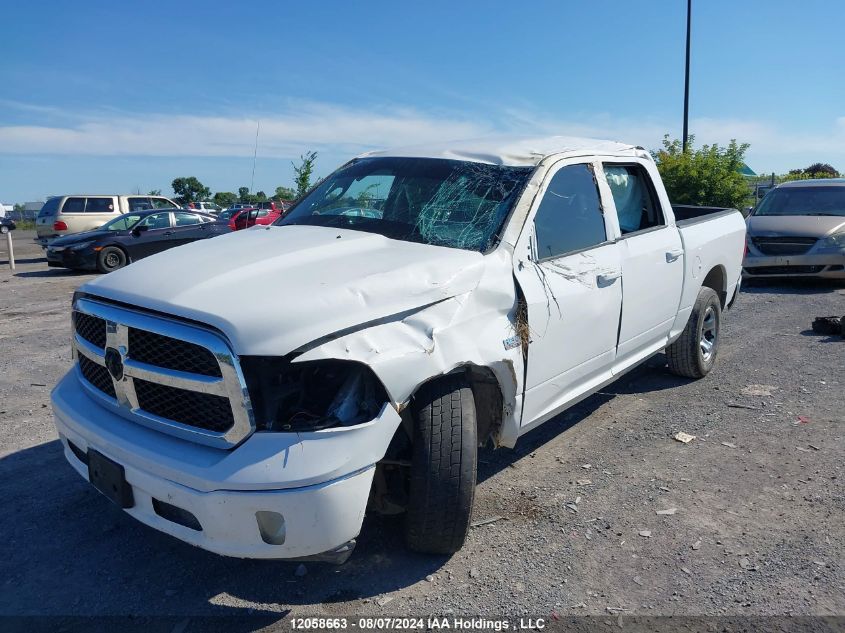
x=111 y=258
x=443 y=466
x=694 y=353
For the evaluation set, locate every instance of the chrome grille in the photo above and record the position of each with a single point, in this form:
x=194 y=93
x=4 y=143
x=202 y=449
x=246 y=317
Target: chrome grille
x=168 y=375
x=91 y=328
x=203 y=410
x=97 y=375
x=171 y=353
x=783 y=245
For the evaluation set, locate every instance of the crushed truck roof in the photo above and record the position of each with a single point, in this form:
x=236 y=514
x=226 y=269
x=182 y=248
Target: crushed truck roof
x=515 y=151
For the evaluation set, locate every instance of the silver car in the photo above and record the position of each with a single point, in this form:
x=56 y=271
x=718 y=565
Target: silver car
x=798 y=230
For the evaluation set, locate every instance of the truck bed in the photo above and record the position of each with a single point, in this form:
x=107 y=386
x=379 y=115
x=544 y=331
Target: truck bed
x=686 y=214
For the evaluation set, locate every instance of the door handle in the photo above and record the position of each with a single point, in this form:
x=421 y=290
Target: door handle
x=674 y=254
x=608 y=277
x=168 y=232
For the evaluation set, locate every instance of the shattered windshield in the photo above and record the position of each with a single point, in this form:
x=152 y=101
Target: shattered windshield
x=451 y=203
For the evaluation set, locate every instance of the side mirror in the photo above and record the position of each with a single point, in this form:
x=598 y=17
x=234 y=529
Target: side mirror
x=140 y=229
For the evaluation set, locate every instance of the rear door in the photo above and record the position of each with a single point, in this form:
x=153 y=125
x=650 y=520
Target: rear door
x=187 y=227
x=652 y=258
x=572 y=289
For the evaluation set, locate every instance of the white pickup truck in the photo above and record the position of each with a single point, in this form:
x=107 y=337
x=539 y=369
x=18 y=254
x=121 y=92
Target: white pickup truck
x=256 y=394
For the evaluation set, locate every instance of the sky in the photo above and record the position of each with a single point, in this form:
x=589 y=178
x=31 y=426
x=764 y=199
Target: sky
x=126 y=96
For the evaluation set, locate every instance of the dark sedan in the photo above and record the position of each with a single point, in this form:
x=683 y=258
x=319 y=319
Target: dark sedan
x=6 y=225
x=132 y=236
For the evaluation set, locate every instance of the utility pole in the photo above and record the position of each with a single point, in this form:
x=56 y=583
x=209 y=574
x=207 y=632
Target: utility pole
x=254 y=157
x=686 y=79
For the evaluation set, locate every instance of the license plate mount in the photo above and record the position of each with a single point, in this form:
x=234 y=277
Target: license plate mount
x=109 y=478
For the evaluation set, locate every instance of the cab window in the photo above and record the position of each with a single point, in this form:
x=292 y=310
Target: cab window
x=139 y=204
x=570 y=216
x=161 y=203
x=633 y=195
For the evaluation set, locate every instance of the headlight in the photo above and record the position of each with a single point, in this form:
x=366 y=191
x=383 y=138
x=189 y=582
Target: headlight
x=82 y=245
x=309 y=396
x=837 y=240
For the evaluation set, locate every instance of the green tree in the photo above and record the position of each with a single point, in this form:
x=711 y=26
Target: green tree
x=243 y=194
x=708 y=176
x=154 y=192
x=303 y=172
x=190 y=190
x=284 y=193
x=259 y=196
x=225 y=198
x=821 y=170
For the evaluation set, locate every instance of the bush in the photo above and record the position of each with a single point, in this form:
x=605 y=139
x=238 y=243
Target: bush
x=709 y=176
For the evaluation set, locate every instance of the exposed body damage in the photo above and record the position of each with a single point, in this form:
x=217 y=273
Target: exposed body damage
x=256 y=393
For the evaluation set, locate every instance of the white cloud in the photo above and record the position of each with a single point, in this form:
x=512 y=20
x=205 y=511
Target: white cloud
x=343 y=131
x=308 y=126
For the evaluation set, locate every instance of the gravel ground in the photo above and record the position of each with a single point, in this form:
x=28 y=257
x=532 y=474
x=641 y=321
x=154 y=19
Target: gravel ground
x=755 y=521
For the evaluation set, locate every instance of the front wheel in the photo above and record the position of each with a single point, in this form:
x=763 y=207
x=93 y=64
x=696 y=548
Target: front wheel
x=694 y=353
x=443 y=466
x=111 y=258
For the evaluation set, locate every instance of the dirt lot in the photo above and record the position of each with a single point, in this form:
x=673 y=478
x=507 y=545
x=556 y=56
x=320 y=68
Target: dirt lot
x=758 y=527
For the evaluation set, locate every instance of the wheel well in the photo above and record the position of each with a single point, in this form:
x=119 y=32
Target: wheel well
x=717 y=279
x=487 y=393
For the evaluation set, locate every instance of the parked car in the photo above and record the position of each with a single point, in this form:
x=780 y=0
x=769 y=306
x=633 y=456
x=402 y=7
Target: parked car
x=66 y=215
x=130 y=237
x=504 y=281
x=798 y=230
x=226 y=214
x=279 y=207
x=205 y=207
x=7 y=224
x=250 y=217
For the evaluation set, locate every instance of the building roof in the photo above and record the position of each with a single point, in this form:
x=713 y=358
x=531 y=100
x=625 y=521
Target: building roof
x=517 y=151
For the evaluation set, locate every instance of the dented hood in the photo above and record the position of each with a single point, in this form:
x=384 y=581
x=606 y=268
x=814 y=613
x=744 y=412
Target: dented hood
x=271 y=290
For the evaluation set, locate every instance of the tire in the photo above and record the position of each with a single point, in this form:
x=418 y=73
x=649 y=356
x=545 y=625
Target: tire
x=111 y=258
x=694 y=353
x=443 y=466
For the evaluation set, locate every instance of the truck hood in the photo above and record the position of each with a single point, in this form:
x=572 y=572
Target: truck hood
x=817 y=226
x=271 y=290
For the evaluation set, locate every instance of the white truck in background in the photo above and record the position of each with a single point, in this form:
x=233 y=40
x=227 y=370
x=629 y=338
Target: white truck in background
x=414 y=305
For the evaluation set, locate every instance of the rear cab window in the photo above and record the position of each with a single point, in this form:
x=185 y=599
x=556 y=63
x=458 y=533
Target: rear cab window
x=74 y=205
x=635 y=199
x=569 y=218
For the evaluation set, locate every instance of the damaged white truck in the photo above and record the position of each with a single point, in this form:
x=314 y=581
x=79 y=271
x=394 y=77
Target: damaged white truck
x=256 y=394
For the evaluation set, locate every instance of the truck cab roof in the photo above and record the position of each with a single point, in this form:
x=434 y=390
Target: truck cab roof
x=513 y=151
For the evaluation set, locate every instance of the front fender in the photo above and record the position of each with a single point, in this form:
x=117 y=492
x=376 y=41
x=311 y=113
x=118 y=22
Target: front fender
x=475 y=328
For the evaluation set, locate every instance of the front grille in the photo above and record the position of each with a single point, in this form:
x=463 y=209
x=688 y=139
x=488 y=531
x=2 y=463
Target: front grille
x=178 y=378
x=202 y=410
x=783 y=245
x=171 y=353
x=91 y=328
x=784 y=270
x=97 y=375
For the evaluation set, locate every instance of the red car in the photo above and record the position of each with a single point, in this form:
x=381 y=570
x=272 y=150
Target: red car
x=250 y=217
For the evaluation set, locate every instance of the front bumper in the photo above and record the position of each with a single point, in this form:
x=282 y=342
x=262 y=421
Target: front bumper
x=318 y=483
x=67 y=258
x=829 y=265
